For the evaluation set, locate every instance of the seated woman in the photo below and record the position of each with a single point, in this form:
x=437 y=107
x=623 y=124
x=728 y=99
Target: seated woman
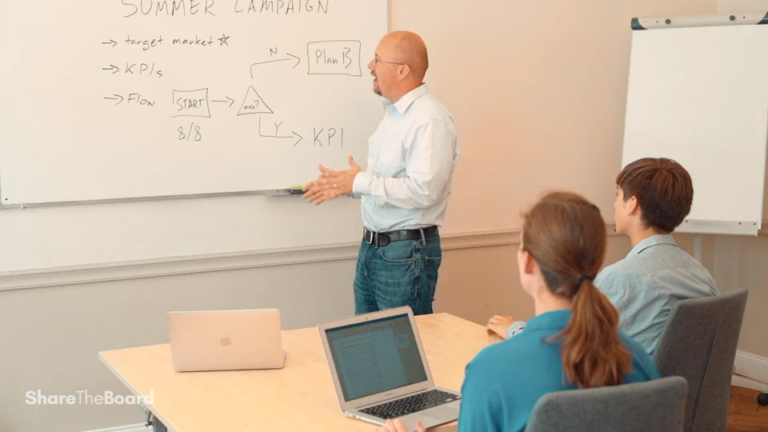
x=573 y=341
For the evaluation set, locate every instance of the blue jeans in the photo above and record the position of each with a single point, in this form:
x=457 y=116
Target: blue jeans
x=398 y=274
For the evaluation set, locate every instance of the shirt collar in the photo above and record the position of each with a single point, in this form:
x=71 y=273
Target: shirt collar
x=652 y=241
x=554 y=320
x=402 y=105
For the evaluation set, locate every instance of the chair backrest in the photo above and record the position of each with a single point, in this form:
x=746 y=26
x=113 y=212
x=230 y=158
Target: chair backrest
x=657 y=405
x=699 y=343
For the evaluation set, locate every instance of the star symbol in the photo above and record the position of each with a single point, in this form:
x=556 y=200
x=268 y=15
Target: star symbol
x=223 y=40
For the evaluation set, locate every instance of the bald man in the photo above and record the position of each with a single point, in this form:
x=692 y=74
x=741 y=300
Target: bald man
x=406 y=185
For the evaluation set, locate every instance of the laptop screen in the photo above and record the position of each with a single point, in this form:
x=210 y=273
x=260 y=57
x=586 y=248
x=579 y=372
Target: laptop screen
x=375 y=356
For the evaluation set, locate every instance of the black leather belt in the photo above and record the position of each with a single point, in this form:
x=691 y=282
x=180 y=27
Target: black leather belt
x=384 y=238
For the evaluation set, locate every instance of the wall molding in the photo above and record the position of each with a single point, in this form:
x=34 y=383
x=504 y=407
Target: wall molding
x=139 y=427
x=240 y=260
x=183 y=265
x=751 y=366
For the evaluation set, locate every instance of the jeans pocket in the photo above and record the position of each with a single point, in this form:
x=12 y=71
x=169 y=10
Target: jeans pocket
x=431 y=267
x=432 y=255
x=395 y=275
x=399 y=252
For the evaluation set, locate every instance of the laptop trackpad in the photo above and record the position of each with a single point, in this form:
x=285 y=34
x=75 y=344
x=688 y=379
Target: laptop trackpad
x=438 y=415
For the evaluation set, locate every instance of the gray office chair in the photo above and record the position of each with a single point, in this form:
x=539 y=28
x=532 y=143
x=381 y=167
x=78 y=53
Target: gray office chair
x=699 y=344
x=657 y=406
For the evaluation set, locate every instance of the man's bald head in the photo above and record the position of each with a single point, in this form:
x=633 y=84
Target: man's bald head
x=399 y=64
x=409 y=48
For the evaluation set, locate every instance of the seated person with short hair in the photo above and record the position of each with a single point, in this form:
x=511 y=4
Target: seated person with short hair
x=653 y=197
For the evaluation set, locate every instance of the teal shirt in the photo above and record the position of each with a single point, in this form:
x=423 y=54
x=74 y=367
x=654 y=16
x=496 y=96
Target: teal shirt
x=648 y=283
x=505 y=380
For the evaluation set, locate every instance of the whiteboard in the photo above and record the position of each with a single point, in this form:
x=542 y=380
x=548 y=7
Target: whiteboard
x=151 y=98
x=700 y=96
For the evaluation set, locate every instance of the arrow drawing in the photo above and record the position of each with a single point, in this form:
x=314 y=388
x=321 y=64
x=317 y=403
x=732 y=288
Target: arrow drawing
x=300 y=138
x=281 y=136
x=113 y=67
x=110 y=42
x=118 y=98
x=298 y=60
x=231 y=101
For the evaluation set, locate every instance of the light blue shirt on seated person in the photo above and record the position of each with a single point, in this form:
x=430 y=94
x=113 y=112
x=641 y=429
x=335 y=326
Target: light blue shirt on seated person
x=505 y=380
x=411 y=158
x=646 y=286
x=648 y=283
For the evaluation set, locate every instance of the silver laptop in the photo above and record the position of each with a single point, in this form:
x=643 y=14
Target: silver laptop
x=226 y=340
x=380 y=371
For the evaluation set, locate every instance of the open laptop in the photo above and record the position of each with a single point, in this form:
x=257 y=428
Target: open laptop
x=380 y=371
x=226 y=340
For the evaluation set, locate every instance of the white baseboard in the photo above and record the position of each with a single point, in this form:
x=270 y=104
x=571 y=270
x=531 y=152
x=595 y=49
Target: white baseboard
x=751 y=366
x=140 y=427
x=740 y=381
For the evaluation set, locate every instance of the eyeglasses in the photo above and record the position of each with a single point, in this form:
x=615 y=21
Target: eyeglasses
x=377 y=60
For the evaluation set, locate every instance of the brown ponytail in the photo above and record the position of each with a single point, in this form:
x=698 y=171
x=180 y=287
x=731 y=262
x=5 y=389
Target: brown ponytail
x=566 y=235
x=592 y=352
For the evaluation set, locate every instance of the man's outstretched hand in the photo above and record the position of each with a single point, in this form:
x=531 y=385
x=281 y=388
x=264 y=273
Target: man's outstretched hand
x=331 y=183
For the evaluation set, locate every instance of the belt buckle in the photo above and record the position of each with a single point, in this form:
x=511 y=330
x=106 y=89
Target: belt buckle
x=367 y=239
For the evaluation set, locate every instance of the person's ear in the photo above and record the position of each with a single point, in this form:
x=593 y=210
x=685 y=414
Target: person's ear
x=632 y=205
x=403 y=72
x=528 y=263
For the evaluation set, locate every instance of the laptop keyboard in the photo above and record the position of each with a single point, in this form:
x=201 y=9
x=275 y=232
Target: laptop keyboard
x=411 y=404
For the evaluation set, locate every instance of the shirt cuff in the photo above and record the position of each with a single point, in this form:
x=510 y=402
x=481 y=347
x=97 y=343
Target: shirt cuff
x=362 y=184
x=515 y=328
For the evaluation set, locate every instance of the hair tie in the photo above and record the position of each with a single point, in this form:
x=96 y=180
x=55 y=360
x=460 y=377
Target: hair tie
x=583 y=278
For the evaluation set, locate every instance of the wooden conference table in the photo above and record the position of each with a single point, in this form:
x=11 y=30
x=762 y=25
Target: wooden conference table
x=298 y=397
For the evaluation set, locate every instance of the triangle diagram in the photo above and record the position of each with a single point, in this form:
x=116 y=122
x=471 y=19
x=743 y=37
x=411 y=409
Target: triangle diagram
x=254 y=104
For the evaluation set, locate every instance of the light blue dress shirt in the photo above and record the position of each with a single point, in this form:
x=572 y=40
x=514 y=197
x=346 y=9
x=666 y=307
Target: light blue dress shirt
x=411 y=158
x=648 y=283
x=505 y=380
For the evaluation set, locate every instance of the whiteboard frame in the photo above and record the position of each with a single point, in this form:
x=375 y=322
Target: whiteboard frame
x=667 y=22
x=268 y=192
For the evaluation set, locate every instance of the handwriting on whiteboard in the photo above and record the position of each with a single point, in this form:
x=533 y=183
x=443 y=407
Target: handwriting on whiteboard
x=210 y=8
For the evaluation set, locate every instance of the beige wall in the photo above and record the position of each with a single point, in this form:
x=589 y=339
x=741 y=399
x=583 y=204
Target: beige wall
x=538 y=89
x=741 y=263
x=733 y=6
